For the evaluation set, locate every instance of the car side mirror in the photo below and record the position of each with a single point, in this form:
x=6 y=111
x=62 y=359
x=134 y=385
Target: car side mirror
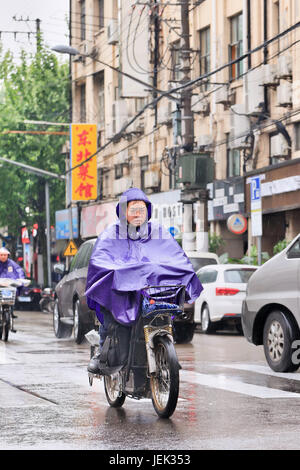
x=59 y=268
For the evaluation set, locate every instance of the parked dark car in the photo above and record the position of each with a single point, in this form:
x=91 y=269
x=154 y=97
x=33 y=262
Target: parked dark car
x=28 y=298
x=71 y=312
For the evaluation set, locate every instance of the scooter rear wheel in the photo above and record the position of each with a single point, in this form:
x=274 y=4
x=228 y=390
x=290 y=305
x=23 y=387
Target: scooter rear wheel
x=114 y=397
x=165 y=383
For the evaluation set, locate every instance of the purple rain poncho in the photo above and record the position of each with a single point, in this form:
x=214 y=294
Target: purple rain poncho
x=126 y=259
x=10 y=269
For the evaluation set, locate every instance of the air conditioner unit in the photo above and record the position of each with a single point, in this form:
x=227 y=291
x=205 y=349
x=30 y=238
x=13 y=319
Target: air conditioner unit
x=255 y=94
x=240 y=128
x=151 y=179
x=284 y=94
x=121 y=157
x=120 y=185
x=222 y=96
x=204 y=141
x=200 y=104
x=163 y=114
x=285 y=66
x=113 y=31
x=278 y=146
x=120 y=114
x=88 y=49
x=269 y=76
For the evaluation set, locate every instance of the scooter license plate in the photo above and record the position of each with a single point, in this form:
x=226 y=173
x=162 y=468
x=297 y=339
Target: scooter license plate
x=6 y=294
x=24 y=299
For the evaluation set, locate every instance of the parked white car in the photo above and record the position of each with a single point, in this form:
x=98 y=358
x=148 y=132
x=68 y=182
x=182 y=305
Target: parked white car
x=223 y=294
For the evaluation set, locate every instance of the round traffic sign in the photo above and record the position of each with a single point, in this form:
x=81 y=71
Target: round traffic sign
x=237 y=224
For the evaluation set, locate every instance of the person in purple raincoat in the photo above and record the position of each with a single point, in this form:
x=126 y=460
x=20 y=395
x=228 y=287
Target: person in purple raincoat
x=8 y=268
x=128 y=256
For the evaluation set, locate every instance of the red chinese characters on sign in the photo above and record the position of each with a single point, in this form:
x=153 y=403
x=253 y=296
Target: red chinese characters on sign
x=84 y=176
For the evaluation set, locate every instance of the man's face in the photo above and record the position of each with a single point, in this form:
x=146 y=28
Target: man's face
x=3 y=257
x=136 y=213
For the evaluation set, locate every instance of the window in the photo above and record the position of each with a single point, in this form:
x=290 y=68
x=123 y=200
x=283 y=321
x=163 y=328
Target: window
x=297 y=135
x=274 y=150
x=204 y=58
x=82 y=20
x=118 y=171
x=238 y=275
x=101 y=13
x=200 y=262
x=294 y=251
x=207 y=277
x=144 y=167
x=233 y=163
x=100 y=98
x=82 y=104
x=176 y=61
x=236 y=45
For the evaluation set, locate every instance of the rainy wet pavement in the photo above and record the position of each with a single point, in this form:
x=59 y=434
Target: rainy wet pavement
x=229 y=398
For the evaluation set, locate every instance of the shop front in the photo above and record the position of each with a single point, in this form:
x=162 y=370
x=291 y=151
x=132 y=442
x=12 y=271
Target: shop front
x=280 y=195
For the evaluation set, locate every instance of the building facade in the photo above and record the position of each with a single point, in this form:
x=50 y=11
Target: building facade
x=242 y=65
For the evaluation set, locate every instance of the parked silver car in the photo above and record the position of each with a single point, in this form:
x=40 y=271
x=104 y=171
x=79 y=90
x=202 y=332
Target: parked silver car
x=271 y=310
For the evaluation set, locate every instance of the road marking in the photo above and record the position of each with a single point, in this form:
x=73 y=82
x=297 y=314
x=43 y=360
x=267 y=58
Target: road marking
x=265 y=370
x=221 y=382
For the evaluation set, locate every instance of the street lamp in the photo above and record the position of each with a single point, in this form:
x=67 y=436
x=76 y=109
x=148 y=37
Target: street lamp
x=62 y=49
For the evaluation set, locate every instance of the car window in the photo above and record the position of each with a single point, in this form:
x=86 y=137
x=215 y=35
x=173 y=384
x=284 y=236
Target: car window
x=294 y=251
x=238 y=275
x=74 y=262
x=82 y=256
x=206 y=277
x=87 y=254
x=200 y=262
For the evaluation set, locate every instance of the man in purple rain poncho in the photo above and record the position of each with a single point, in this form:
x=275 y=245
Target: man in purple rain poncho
x=128 y=256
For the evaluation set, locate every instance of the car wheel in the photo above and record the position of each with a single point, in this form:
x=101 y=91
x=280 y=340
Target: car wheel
x=278 y=336
x=79 y=327
x=61 y=330
x=206 y=324
x=183 y=332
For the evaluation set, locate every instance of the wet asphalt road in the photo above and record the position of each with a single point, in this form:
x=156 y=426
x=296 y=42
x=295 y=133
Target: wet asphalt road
x=229 y=398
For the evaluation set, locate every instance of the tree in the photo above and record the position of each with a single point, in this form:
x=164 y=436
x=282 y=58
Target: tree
x=37 y=88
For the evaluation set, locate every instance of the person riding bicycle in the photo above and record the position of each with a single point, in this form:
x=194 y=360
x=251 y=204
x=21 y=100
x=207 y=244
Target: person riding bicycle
x=129 y=255
x=9 y=268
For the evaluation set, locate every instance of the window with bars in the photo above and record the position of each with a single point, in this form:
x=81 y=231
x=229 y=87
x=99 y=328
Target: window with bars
x=144 y=162
x=236 y=45
x=82 y=20
x=176 y=61
x=233 y=161
x=204 y=55
x=82 y=104
x=100 y=98
x=101 y=13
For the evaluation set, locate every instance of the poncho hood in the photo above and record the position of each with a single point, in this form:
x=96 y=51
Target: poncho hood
x=132 y=194
x=122 y=265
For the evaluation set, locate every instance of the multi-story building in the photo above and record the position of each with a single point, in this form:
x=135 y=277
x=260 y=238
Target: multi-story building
x=246 y=106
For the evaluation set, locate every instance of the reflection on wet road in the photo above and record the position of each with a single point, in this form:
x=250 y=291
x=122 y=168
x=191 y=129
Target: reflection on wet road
x=229 y=398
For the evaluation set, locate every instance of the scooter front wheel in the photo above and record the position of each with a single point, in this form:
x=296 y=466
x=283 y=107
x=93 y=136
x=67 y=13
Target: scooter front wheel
x=114 y=397
x=165 y=383
x=5 y=326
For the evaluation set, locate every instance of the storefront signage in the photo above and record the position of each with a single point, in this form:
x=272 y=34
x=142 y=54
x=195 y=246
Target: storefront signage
x=256 y=210
x=62 y=228
x=84 y=176
x=237 y=224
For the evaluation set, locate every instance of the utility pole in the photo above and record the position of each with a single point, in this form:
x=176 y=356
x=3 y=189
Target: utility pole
x=38 y=29
x=187 y=127
x=194 y=238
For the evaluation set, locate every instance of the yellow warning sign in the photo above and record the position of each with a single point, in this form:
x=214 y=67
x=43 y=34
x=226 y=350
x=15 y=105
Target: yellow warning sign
x=71 y=249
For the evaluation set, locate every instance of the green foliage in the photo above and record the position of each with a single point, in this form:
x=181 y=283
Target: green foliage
x=281 y=245
x=216 y=242
x=252 y=258
x=37 y=88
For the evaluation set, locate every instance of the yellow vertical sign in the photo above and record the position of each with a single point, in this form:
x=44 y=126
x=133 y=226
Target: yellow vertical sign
x=83 y=146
